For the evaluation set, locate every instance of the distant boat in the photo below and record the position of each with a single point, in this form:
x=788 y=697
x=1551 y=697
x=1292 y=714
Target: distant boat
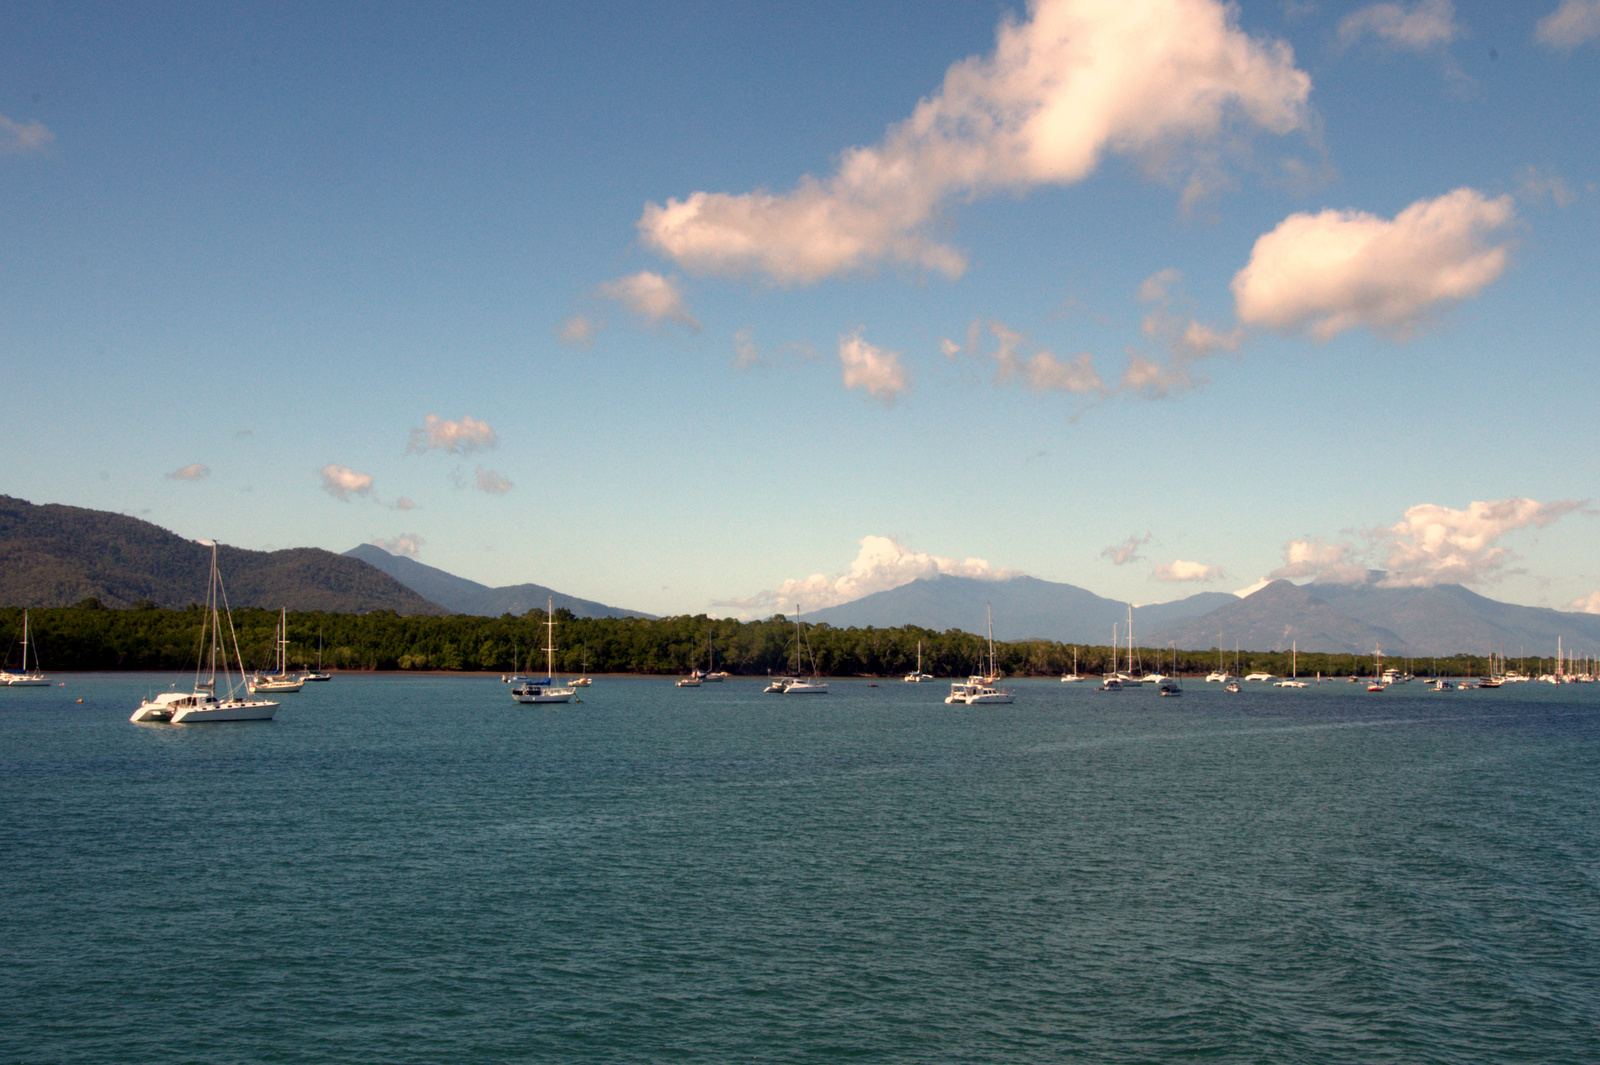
x=981 y=691
x=582 y=679
x=801 y=684
x=201 y=704
x=317 y=673
x=26 y=679
x=1294 y=680
x=1072 y=678
x=544 y=690
x=1377 y=684
x=281 y=680
x=917 y=676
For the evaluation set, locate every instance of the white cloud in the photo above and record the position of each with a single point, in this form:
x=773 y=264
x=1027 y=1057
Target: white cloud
x=1245 y=593
x=882 y=563
x=195 y=471
x=1575 y=22
x=1315 y=557
x=577 y=331
x=746 y=355
x=24 y=138
x=651 y=296
x=342 y=482
x=1076 y=81
x=1337 y=270
x=463 y=437
x=1418 y=26
x=491 y=482
x=1535 y=186
x=1180 y=570
x=876 y=372
x=1430 y=545
x=1589 y=604
x=1127 y=551
x=1438 y=545
x=407 y=544
x=1041 y=371
x=403 y=503
x=1187 y=341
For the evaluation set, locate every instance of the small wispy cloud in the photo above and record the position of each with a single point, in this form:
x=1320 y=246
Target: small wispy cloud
x=1415 y=27
x=1180 y=570
x=24 y=138
x=1188 y=342
x=342 y=482
x=874 y=371
x=463 y=437
x=578 y=331
x=403 y=503
x=407 y=544
x=652 y=297
x=491 y=482
x=1039 y=371
x=1127 y=551
x=1574 y=23
x=195 y=471
x=746 y=356
x=1337 y=270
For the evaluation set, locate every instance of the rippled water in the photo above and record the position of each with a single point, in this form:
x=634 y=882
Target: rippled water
x=416 y=869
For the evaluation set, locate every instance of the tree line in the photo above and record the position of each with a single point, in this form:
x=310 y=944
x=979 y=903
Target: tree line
x=89 y=636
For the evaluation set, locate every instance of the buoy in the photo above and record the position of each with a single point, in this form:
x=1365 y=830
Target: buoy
x=80 y=700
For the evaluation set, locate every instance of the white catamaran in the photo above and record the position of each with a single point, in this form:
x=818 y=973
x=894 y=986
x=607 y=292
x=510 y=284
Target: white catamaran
x=202 y=704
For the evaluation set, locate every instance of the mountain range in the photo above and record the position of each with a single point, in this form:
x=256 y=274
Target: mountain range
x=461 y=596
x=1335 y=618
x=54 y=555
x=1023 y=607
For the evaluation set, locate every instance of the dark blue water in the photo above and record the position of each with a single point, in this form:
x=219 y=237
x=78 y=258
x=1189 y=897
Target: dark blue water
x=417 y=869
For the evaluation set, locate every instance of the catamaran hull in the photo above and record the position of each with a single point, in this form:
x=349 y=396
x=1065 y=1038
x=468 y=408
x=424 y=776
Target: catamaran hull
x=241 y=710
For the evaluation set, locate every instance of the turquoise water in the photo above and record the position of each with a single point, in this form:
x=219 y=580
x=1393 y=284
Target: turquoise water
x=416 y=869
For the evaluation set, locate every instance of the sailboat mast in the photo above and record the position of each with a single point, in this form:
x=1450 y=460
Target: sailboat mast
x=550 y=638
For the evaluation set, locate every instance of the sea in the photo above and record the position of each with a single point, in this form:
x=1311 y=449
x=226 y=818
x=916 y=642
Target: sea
x=418 y=869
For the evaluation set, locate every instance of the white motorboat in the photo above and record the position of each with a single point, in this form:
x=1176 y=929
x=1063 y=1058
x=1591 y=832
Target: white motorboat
x=691 y=681
x=981 y=691
x=26 y=678
x=202 y=704
x=544 y=689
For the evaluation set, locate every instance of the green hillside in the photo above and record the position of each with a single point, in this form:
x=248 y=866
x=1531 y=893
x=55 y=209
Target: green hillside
x=56 y=556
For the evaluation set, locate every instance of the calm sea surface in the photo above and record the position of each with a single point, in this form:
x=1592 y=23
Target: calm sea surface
x=416 y=869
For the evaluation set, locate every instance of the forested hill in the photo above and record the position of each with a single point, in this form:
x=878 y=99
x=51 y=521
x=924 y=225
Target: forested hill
x=53 y=555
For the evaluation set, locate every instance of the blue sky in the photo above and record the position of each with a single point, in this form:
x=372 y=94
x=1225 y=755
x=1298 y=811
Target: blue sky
x=718 y=307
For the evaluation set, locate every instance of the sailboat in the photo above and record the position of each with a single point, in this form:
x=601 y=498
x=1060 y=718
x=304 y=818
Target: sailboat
x=201 y=704
x=1294 y=680
x=317 y=674
x=280 y=680
x=1112 y=681
x=1168 y=685
x=1072 y=678
x=917 y=677
x=800 y=684
x=25 y=679
x=1377 y=684
x=582 y=679
x=981 y=691
x=543 y=690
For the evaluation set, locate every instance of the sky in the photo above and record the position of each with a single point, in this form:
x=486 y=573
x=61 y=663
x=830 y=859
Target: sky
x=728 y=307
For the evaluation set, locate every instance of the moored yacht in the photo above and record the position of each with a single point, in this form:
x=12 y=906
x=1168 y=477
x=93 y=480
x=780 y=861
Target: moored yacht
x=201 y=704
